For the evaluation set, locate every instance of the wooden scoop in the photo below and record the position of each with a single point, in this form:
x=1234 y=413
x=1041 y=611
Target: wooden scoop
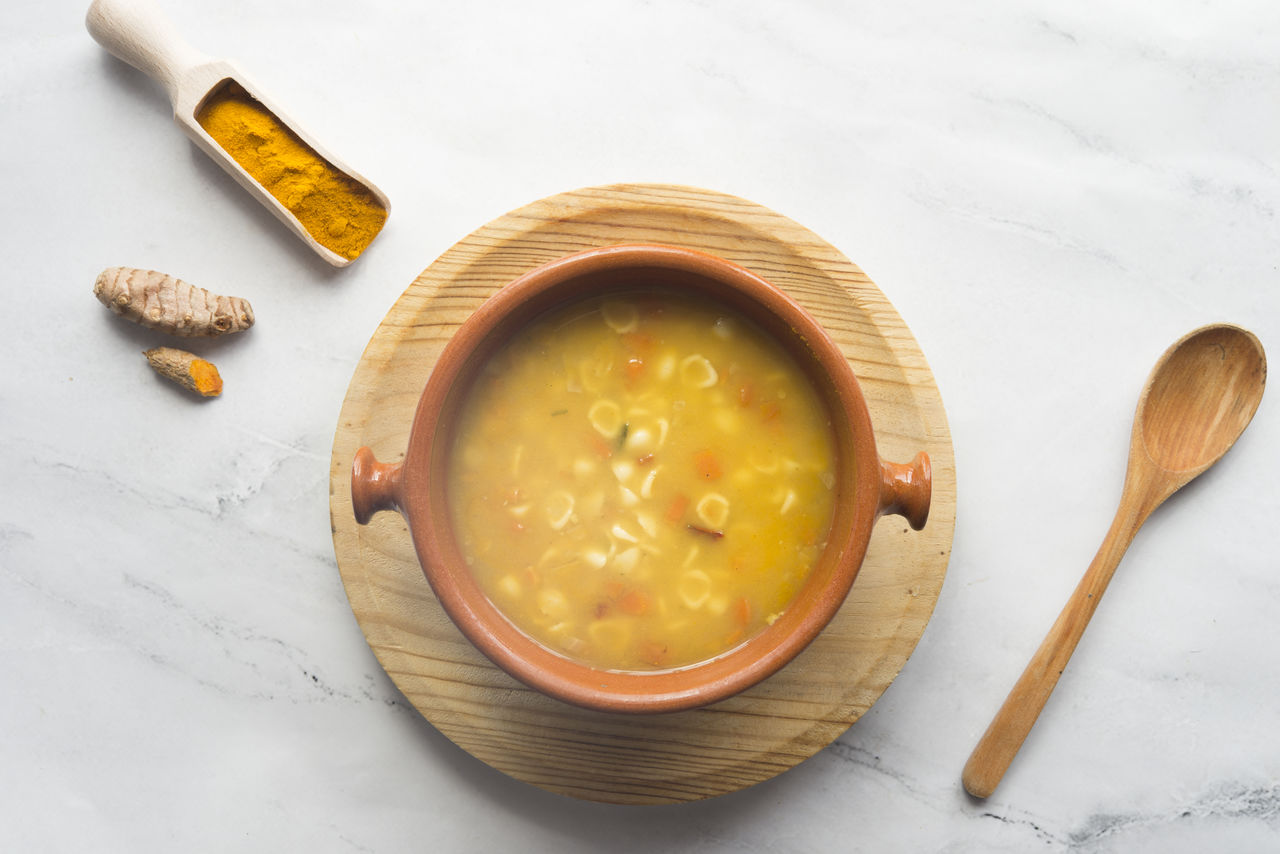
x=136 y=32
x=1196 y=403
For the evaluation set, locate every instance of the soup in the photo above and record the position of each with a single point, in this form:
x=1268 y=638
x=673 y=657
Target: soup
x=641 y=481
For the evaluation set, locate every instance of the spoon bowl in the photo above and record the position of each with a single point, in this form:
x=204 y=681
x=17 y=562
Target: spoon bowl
x=1200 y=396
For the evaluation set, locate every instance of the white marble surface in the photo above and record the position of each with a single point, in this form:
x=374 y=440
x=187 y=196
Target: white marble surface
x=1050 y=194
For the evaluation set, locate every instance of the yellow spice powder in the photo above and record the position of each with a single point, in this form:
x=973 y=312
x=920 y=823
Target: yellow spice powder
x=339 y=212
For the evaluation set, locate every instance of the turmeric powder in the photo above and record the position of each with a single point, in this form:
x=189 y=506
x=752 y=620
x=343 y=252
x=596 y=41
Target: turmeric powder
x=335 y=209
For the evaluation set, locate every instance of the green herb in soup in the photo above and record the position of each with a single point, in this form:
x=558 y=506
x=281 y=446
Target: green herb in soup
x=642 y=481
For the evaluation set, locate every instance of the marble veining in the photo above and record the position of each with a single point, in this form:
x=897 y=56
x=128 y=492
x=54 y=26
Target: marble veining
x=1049 y=195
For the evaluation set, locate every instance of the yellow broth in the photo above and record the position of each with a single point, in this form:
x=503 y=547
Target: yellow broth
x=642 y=481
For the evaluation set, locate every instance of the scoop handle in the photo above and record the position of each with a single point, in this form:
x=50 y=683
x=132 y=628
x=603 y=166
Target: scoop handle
x=137 y=32
x=375 y=486
x=1018 y=714
x=906 y=489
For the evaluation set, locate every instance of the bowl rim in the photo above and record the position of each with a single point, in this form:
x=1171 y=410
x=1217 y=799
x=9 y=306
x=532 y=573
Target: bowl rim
x=424 y=506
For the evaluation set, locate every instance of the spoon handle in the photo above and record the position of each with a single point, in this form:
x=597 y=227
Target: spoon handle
x=1011 y=725
x=137 y=32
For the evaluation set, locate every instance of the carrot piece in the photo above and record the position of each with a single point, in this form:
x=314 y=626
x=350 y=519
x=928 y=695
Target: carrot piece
x=646 y=460
x=613 y=589
x=745 y=394
x=770 y=410
x=741 y=610
x=599 y=445
x=677 y=507
x=634 y=603
x=638 y=343
x=653 y=652
x=707 y=464
x=634 y=369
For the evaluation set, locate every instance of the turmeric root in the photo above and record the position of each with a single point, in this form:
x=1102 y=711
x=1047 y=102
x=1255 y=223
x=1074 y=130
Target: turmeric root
x=186 y=369
x=162 y=302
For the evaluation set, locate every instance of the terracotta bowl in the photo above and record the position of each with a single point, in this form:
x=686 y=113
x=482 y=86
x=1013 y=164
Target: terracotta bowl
x=866 y=486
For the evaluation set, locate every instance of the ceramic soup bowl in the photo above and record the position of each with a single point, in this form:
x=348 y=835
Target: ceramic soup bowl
x=864 y=486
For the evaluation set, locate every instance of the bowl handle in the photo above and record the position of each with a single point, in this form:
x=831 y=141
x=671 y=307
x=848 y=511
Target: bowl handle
x=905 y=489
x=374 y=486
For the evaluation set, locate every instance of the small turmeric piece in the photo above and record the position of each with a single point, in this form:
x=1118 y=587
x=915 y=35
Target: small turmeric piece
x=186 y=369
x=159 y=301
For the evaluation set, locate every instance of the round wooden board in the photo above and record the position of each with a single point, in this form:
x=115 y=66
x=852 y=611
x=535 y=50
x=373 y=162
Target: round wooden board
x=670 y=757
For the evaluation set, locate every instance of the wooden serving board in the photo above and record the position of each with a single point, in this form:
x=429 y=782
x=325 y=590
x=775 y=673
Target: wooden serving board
x=680 y=756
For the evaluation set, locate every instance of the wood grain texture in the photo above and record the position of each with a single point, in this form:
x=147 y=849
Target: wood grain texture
x=671 y=757
x=1200 y=397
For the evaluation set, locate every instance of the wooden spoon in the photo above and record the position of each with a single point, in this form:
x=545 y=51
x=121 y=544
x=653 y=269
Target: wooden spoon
x=1196 y=403
x=136 y=32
